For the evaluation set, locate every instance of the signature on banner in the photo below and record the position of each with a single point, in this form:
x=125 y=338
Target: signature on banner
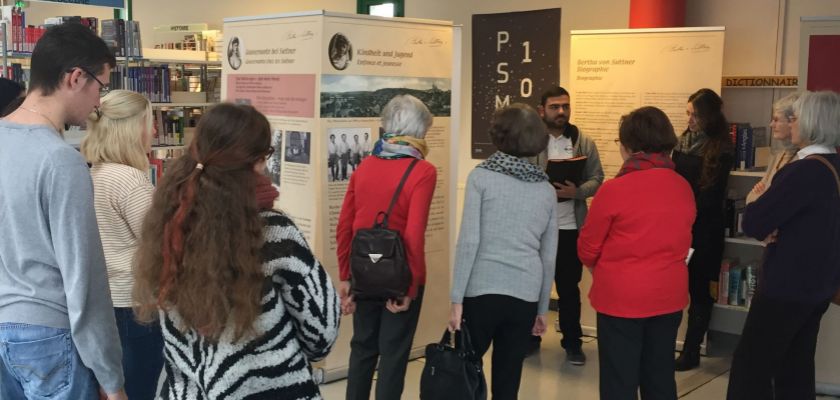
x=678 y=48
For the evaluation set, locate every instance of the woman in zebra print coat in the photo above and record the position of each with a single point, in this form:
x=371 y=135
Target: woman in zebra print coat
x=244 y=306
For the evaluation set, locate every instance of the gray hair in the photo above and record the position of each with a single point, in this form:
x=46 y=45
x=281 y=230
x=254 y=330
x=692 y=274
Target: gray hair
x=785 y=104
x=405 y=115
x=819 y=117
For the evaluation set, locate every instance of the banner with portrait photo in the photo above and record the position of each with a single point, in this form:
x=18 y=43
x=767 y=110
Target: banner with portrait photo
x=323 y=79
x=515 y=59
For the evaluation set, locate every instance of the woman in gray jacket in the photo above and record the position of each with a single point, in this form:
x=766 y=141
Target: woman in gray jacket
x=504 y=263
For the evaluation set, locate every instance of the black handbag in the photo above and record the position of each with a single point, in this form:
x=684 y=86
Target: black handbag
x=453 y=373
x=378 y=265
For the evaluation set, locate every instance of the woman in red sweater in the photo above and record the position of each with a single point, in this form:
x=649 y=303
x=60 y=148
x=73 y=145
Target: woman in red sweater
x=384 y=330
x=635 y=242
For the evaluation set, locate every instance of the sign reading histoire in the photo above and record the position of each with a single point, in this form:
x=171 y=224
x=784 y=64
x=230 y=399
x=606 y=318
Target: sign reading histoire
x=515 y=58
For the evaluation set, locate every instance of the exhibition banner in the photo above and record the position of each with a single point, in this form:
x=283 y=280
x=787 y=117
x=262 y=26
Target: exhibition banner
x=613 y=72
x=515 y=59
x=322 y=79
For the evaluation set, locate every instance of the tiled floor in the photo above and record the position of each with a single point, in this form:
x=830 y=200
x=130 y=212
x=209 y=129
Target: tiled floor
x=548 y=376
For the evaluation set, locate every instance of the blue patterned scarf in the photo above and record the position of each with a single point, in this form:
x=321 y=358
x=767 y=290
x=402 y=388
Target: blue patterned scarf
x=514 y=166
x=393 y=146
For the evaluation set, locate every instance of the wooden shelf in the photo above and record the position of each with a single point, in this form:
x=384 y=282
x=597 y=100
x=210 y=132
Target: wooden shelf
x=754 y=174
x=174 y=147
x=742 y=309
x=746 y=241
x=158 y=105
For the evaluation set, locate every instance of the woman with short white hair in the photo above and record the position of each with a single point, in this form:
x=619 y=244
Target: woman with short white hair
x=384 y=329
x=799 y=219
x=780 y=130
x=119 y=136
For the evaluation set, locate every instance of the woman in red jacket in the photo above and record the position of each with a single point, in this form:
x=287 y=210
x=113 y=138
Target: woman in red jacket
x=635 y=242
x=384 y=330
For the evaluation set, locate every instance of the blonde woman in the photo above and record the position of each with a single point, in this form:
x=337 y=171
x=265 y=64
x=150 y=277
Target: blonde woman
x=119 y=136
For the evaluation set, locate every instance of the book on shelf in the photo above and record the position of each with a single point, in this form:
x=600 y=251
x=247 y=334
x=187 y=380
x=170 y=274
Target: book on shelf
x=570 y=169
x=122 y=37
x=153 y=81
x=736 y=283
x=16 y=73
x=22 y=37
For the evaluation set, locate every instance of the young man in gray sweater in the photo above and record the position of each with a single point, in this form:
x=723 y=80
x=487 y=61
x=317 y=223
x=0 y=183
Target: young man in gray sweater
x=58 y=337
x=566 y=141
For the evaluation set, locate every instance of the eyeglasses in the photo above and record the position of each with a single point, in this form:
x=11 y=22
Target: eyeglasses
x=103 y=88
x=269 y=152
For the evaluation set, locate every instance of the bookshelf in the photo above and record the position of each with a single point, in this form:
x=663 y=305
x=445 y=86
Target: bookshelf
x=752 y=174
x=728 y=320
x=745 y=241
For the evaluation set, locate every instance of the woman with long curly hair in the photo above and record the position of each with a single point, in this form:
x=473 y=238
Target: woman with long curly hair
x=244 y=305
x=704 y=157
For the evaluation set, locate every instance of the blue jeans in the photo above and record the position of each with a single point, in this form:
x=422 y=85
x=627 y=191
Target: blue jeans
x=142 y=348
x=38 y=362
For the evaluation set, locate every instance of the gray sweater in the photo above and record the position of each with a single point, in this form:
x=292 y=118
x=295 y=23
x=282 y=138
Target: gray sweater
x=508 y=239
x=52 y=271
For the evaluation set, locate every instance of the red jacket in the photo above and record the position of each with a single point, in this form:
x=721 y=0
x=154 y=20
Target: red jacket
x=371 y=187
x=635 y=239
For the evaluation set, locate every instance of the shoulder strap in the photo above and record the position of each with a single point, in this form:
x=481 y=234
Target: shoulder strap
x=831 y=167
x=397 y=192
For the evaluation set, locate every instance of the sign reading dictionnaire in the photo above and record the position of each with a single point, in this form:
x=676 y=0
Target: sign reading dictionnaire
x=515 y=58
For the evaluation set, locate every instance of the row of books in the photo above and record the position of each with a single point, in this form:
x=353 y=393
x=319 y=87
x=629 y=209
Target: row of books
x=737 y=283
x=734 y=216
x=746 y=139
x=175 y=126
x=153 y=82
x=122 y=37
x=16 y=73
x=21 y=37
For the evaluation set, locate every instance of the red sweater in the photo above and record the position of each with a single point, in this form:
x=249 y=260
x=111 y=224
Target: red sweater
x=635 y=239
x=371 y=187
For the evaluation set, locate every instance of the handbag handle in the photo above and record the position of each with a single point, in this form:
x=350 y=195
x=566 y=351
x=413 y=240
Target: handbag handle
x=463 y=342
x=831 y=167
x=384 y=215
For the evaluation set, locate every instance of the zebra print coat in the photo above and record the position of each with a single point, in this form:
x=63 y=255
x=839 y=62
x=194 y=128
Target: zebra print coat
x=299 y=324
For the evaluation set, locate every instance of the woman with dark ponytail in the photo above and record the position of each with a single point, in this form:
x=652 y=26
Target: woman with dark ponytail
x=243 y=303
x=704 y=157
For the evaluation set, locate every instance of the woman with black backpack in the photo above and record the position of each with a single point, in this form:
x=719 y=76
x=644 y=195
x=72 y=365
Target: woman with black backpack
x=383 y=329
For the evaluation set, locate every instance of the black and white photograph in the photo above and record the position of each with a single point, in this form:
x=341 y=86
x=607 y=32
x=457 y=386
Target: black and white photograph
x=346 y=149
x=340 y=51
x=273 y=164
x=234 y=52
x=297 y=147
x=358 y=96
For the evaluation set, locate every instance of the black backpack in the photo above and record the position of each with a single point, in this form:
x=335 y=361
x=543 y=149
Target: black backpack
x=378 y=265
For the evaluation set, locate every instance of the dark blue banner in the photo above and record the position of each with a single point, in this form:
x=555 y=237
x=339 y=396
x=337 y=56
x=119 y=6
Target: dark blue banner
x=515 y=59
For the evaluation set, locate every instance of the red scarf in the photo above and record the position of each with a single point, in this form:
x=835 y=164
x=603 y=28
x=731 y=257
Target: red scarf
x=641 y=161
x=266 y=193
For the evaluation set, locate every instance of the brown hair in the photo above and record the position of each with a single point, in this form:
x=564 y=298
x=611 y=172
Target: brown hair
x=647 y=129
x=518 y=130
x=199 y=252
x=708 y=107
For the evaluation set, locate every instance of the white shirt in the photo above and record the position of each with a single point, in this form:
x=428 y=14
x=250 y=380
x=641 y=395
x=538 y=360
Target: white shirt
x=815 y=149
x=561 y=148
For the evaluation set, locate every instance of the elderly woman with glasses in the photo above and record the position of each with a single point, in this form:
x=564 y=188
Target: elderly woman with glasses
x=780 y=127
x=799 y=217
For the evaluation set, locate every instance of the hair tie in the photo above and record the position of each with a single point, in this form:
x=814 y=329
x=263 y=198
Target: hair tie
x=199 y=166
